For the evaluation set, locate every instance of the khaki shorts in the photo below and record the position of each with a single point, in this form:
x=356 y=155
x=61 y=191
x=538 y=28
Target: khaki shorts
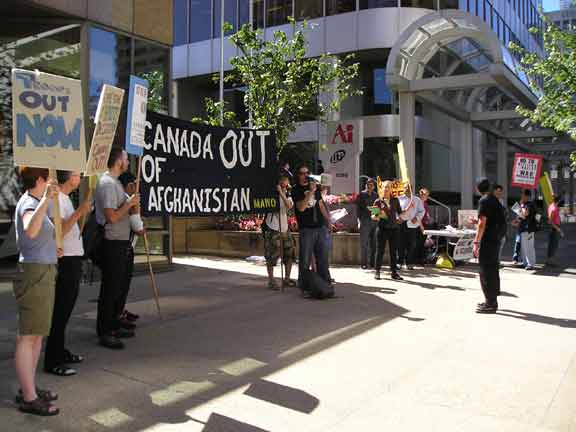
x=34 y=294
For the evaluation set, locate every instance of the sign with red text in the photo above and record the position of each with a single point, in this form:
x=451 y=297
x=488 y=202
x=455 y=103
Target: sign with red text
x=342 y=155
x=526 y=170
x=106 y=120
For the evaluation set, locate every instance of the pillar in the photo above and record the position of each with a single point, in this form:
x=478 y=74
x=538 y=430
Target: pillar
x=502 y=166
x=466 y=166
x=407 y=106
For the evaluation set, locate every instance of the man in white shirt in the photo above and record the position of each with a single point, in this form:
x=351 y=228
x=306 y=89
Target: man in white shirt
x=411 y=228
x=277 y=236
x=56 y=357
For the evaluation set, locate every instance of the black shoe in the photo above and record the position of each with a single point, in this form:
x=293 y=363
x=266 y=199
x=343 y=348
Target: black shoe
x=111 y=342
x=363 y=267
x=62 y=371
x=131 y=316
x=126 y=324
x=122 y=333
x=397 y=277
x=485 y=308
x=377 y=275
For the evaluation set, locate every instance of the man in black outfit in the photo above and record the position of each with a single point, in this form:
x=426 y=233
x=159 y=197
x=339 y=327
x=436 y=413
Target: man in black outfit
x=367 y=226
x=491 y=226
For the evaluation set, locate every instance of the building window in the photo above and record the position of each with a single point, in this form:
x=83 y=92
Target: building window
x=382 y=94
x=230 y=13
x=200 y=20
x=449 y=4
x=180 y=22
x=370 y=4
x=258 y=13
x=277 y=12
x=334 y=7
x=243 y=12
x=423 y=4
x=307 y=9
x=380 y=157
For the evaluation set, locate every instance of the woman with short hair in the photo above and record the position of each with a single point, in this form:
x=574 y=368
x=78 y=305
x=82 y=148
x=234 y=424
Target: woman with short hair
x=34 y=291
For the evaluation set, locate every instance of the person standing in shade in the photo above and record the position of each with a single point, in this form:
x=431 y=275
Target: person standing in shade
x=498 y=191
x=56 y=356
x=314 y=226
x=389 y=216
x=34 y=289
x=277 y=237
x=113 y=213
x=491 y=223
x=527 y=227
x=555 y=230
x=410 y=230
x=367 y=226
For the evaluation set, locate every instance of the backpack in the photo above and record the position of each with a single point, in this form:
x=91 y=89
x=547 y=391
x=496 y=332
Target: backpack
x=93 y=239
x=315 y=286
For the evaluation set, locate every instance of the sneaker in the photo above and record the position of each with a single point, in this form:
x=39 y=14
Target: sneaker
x=131 y=316
x=397 y=277
x=111 y=342
x=364 y=267
x=377 y=275
x=122 y=333
x=126 y=324
x=485 y=308
x=529 y=268
x=410 y=267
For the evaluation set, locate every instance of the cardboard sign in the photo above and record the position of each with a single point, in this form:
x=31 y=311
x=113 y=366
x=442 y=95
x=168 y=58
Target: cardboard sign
x=398 y=188
x=464 y=249
x=48 y=121
x=137 y=107
x=342 y=155
x=195 y=170
x=106 y=120
x=526 y=170
x=546 y=188
x=404 y=174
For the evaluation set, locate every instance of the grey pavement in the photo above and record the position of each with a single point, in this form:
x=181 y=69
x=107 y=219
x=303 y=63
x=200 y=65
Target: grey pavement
x=230 y=355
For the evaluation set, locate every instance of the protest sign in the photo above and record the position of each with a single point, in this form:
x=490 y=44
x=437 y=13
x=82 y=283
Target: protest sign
x=546 y=188
x=195 y=170
x=106 y=120
x=137 y=106
x=342 y=154
x=526 y=170
x=48 y=121
x=464 y=248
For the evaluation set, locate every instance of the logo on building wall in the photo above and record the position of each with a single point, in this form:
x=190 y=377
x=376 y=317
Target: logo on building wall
x=338 y=156
x=344 y=134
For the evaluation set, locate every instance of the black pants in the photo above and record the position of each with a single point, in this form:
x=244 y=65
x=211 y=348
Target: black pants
x=490 y=271
x=127 y=281
x=383 y=236
x=408 y=244
x=67 y=287
x=114 y=271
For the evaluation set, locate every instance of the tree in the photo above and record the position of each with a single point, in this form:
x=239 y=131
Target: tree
x=281 y=84
x=556 y=72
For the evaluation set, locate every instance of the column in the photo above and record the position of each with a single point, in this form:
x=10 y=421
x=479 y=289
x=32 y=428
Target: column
x=407 y=143
x=466 y=167
x=502 y=166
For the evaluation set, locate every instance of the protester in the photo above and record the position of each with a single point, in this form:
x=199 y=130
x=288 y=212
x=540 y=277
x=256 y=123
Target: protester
x=128 y=319
x=34 y=291
x=277 y=238
x=389 y=215
x=56 y=356
x=314 y=226
x=410 y=230
x=491 y=224
x=555 y=230
x=368 y=226
x=113 y=212
x=498 y=191
x=527 y=227
x=423 y=194
x=285 y=171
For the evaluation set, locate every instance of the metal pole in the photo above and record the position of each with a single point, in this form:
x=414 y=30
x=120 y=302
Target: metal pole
x=251 y=18
x=221 y=62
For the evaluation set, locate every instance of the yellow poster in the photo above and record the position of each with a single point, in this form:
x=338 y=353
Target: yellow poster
x=546 y=187
x=404 y=174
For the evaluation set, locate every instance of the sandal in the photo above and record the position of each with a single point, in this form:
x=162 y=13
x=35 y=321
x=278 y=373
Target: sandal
x=72 y=358
x=38 y=407
x=272 y=285
x=45 y=395
x=290 y=283
x=62 y=371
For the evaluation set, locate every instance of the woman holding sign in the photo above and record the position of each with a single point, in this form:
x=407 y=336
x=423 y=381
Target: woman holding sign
x=34 y=291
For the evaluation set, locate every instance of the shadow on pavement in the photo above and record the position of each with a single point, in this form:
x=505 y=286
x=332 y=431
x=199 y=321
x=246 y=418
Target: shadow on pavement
x=283 y=396
x=541 y=319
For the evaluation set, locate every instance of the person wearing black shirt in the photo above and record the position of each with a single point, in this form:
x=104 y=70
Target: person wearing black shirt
x=491 y=226
x=313 y=224
x=367 y=225
x=389 y=215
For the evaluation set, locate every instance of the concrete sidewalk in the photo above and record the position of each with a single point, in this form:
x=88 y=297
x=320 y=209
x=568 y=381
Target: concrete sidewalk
x=230 y=355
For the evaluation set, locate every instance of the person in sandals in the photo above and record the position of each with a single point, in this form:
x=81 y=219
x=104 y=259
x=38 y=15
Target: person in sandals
x=34 y=289
x=277 y=236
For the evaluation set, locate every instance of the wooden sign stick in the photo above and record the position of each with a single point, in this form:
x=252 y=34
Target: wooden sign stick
x=91 y=190
x=147 y=247
x=56 y=214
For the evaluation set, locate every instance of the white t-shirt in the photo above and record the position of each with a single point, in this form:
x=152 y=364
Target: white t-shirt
x=72 y=241
x=272 y=218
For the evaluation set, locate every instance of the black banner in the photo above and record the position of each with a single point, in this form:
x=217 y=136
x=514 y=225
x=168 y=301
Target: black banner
x=196 y=170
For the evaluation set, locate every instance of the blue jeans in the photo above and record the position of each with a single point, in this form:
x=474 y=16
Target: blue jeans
x=517 y=257
x=553 y=242
x=314 y=242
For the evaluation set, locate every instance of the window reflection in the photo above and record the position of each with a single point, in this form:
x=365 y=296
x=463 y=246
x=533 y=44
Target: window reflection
x=334 y=7
x=369 y=4
x=278 y=11
x=230 y=13
x=258 y=13
x=423 y=4
x=307 y=9
x=200 y=20
x=180 y=22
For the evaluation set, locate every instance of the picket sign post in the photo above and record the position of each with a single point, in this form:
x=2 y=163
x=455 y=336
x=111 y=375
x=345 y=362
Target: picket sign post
x=56 y=214
x=281 y=242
